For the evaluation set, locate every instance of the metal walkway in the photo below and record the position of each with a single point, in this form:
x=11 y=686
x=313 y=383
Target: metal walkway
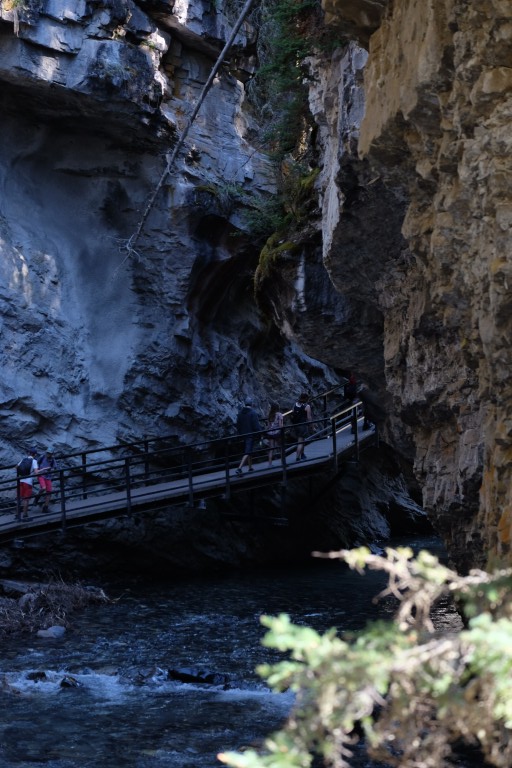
x=149 y=475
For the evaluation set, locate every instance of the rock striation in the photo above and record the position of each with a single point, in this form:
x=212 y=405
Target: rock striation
x=101 y=346
x=438 y=99
x=401 y=272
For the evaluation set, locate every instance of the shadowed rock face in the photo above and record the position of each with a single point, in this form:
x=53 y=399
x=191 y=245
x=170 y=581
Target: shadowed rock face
x=358 y=18
x=100 y=347
x=437 y=90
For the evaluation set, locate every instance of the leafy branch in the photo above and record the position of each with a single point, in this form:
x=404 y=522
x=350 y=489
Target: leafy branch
x=416 y=695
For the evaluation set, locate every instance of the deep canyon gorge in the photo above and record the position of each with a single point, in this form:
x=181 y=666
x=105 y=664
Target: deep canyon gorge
x=399 y=270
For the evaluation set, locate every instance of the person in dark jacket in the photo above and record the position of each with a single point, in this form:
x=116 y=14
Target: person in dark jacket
x=301 y=418
x=350 y=389
x=247 y=424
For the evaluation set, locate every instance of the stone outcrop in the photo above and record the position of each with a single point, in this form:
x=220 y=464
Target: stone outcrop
x=402 y=272
x=435 y=135
x=99 y=346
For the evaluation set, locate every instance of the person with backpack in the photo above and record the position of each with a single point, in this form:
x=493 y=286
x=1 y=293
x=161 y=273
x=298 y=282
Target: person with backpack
x=350 y=389
x=247 y=424
x=46 y=467
x=274 y=427
x=26 y=469
x=301 y=417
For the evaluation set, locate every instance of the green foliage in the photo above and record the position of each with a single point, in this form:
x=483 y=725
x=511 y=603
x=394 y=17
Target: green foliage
x=264 y=215
x=285 y=41
x=290 y=31
x=415 y=693
x=274 y=248
x=225 y=195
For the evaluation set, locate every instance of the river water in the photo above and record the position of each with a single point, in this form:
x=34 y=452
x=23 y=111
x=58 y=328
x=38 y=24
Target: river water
x=117 y=706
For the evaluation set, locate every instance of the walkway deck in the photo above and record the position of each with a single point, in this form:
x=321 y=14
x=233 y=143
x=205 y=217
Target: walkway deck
x=182 y=485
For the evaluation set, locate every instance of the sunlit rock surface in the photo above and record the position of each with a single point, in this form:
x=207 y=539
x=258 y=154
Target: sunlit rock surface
x=436 y=131
x=402 y=275
x=99 y=344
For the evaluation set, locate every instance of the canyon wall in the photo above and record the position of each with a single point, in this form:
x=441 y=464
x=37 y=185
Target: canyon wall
x=435 y=135
x=99 y=344
x=103 y=345
x=402 y=274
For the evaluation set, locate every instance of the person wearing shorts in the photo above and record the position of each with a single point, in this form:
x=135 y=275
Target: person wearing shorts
x=301 y=419
x=25 y=485
x=46 y=464
x=248 y=425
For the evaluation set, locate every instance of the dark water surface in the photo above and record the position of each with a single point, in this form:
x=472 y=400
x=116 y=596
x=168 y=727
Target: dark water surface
x=125 y=711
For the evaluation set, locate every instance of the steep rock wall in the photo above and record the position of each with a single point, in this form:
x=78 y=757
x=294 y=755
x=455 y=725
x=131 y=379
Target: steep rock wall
x=438 y=94
x=101 y=346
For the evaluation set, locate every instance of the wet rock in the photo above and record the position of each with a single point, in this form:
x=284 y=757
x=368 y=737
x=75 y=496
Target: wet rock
x=37 y=676
x=53 y=632
x=69 y=682
x=193 y=675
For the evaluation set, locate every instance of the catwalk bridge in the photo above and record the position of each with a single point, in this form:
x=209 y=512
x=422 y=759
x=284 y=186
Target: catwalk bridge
x=147 y=475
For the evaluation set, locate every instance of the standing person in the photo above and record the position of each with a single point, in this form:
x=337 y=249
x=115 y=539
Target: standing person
x=351 y=394
x=247 y=424
x=350 y=389
x=301 y=418
x=46 y=466
x=27 y=470
x=275 y=423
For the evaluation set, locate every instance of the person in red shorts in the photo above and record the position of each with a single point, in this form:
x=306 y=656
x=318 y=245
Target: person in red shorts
x=27 y=470
x=46 y=464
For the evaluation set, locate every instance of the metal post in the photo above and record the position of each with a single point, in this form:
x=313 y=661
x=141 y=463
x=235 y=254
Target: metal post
x=334 y=445
x=62 y=499
x=18 y=499
x=227 y=495
x=325 y=411
x=128 y=485
x=283 y=456
x=190 y=479
x=355 y=431
x=84 y=471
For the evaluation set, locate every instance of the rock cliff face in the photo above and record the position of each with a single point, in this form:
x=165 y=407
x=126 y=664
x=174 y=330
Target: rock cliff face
x=99 y=346
x=404 y=273
x=435 y=136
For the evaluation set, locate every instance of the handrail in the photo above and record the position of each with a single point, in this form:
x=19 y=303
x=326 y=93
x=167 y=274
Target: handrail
x=128 y=471
x=144 y=441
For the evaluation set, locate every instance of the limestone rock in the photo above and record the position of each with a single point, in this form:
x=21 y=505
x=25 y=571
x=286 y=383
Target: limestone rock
x=53 y=632
x=435 y=133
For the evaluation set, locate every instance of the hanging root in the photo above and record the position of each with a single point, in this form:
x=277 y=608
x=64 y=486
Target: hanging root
x=132 y=242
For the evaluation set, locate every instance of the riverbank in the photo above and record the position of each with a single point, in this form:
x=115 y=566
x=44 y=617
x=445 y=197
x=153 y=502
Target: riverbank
x=32 y=607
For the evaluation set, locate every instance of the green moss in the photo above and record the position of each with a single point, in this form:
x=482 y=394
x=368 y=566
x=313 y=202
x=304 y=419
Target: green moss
x=273 y=249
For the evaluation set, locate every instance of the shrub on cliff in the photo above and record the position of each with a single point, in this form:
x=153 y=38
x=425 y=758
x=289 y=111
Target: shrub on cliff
x=416 y=695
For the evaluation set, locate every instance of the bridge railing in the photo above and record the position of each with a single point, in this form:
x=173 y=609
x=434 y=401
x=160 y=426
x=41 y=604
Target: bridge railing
x=122 y=469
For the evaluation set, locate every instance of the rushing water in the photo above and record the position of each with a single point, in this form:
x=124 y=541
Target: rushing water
x=124 y=711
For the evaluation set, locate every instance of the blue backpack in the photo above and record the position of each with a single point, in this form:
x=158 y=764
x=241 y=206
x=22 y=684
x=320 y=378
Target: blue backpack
x=25 y=467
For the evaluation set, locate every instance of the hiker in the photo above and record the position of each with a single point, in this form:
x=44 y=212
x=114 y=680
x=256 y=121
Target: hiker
x=247 y=424
x=26 y=470
x=300 y=418
x=350 y=392
x=46 y=466
x=350 y=389
x=274 y=425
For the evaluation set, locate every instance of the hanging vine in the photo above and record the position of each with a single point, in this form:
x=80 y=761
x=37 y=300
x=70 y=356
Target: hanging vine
x=131 y=243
